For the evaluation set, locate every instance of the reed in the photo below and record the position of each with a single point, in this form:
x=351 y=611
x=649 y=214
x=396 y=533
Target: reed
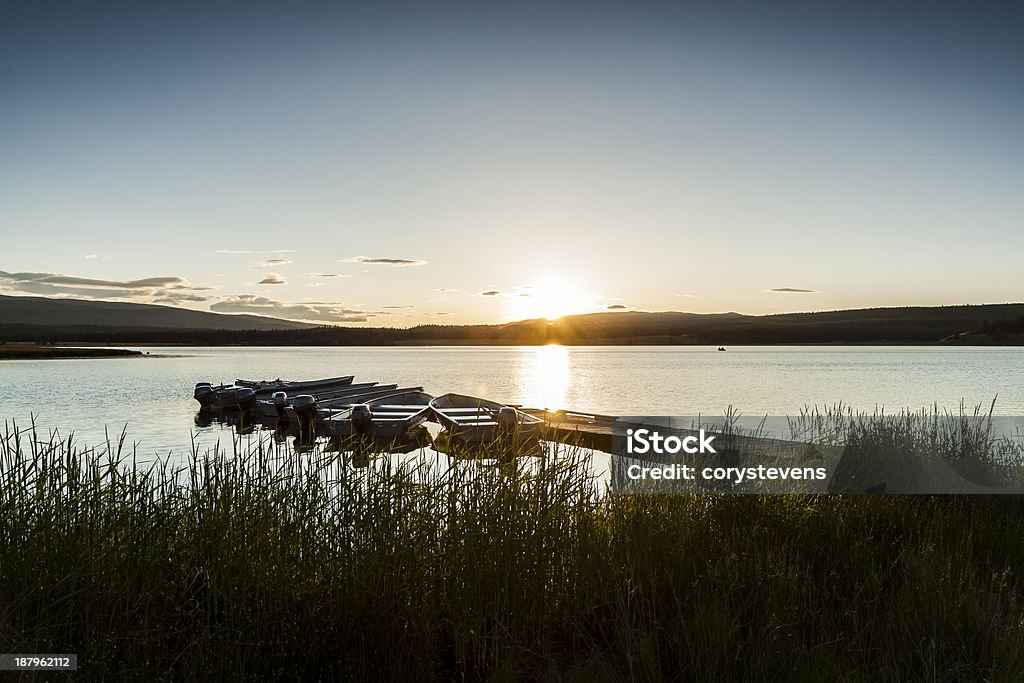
x=254 y=562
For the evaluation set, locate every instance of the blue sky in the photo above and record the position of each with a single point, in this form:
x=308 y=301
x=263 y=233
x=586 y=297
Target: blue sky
x=400 y=163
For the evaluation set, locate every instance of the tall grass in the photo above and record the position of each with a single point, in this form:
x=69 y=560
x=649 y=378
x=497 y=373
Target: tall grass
x=924 y=451
x=263 y=564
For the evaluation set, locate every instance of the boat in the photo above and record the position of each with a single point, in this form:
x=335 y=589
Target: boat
x=271 y=407
x=387 y=417
x=205 y=393
x=226 y=396
x=472 y=419
x=307 y=387
x=233 y=398
x=304 y=404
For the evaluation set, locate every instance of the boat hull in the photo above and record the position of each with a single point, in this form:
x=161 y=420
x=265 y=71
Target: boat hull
x=475 y=420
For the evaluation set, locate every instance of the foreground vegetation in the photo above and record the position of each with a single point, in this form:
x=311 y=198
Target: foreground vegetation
x=261 y=564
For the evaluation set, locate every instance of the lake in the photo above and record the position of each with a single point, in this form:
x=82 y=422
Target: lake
x=153 y=395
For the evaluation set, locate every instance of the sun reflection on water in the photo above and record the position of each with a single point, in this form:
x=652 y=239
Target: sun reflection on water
x=545 y=375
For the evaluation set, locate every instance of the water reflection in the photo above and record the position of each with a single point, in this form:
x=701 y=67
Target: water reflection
x=545 y=376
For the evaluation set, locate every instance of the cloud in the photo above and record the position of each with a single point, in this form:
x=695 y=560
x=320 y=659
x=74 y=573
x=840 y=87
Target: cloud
x=447 y=289
x=177 y=298
x=89 y=257
x=271 y=262
x=490 y=292
x=272 y=279
x=379 y=261
x=250 y=251
x=314 y=311
x=792 y=289
x=398 y=307
x=616 y=307
x=59 y=284
x=326 y=275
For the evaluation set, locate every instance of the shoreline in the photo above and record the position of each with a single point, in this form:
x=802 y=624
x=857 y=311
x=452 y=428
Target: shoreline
x=35 y=352
x=88 y=346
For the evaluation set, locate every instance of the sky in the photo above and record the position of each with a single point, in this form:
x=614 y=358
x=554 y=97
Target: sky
x=394 y=164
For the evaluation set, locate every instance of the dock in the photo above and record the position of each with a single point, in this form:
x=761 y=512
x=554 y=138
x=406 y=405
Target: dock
x=267 y=404
x=598 y=432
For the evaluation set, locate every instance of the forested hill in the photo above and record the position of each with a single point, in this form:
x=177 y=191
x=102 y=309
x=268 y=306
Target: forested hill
x=987 y=324
x=25 y=311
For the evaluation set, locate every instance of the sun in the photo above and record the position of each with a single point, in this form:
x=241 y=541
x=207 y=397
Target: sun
x=551 y=299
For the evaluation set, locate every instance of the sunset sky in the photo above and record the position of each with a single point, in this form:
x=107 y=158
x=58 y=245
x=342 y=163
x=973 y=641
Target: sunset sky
x=400 y=163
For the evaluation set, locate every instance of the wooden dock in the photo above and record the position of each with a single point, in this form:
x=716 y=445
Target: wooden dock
x=598 y=432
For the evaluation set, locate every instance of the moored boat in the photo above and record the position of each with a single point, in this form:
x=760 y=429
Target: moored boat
x=387 y=417
x=205 y=393
x=293 y=387
x=225 y=396
x=323 y=409
x=279 y=400
x=472 y=419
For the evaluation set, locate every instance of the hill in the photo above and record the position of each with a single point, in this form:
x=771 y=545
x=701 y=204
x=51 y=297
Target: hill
x=16 y=311
x=48 y=320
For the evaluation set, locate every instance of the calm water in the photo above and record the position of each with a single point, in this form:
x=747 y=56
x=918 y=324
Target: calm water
x=154 y=395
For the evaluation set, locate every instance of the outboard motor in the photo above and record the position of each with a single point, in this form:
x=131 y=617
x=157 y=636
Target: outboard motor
x=361 y=417
x=304 y=403
x=203 y=393
x=280 y=400
x=305 y=410
x=507 y=419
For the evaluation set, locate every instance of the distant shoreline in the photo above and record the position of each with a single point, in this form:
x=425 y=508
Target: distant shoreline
x=73 y=349
x=37 y=352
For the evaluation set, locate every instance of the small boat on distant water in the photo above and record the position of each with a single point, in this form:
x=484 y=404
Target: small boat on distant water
x=387 y=417
x=474 y=419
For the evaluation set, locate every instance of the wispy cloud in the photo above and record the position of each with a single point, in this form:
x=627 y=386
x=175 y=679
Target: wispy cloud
x=326 y=275
x=89 y=257
x=447 y=289
x=272 y=279
x=271 y=262
x=175 y=298
x=313 y=311
x=616 y=307
x=792 y=289
x=59 y=284
x=398 y=307
x=490 y=292
x=252 y=251
x=381 y=261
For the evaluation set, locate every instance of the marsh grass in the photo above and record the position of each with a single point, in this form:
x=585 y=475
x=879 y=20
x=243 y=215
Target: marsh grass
x=262 y=564
x=928 y=450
